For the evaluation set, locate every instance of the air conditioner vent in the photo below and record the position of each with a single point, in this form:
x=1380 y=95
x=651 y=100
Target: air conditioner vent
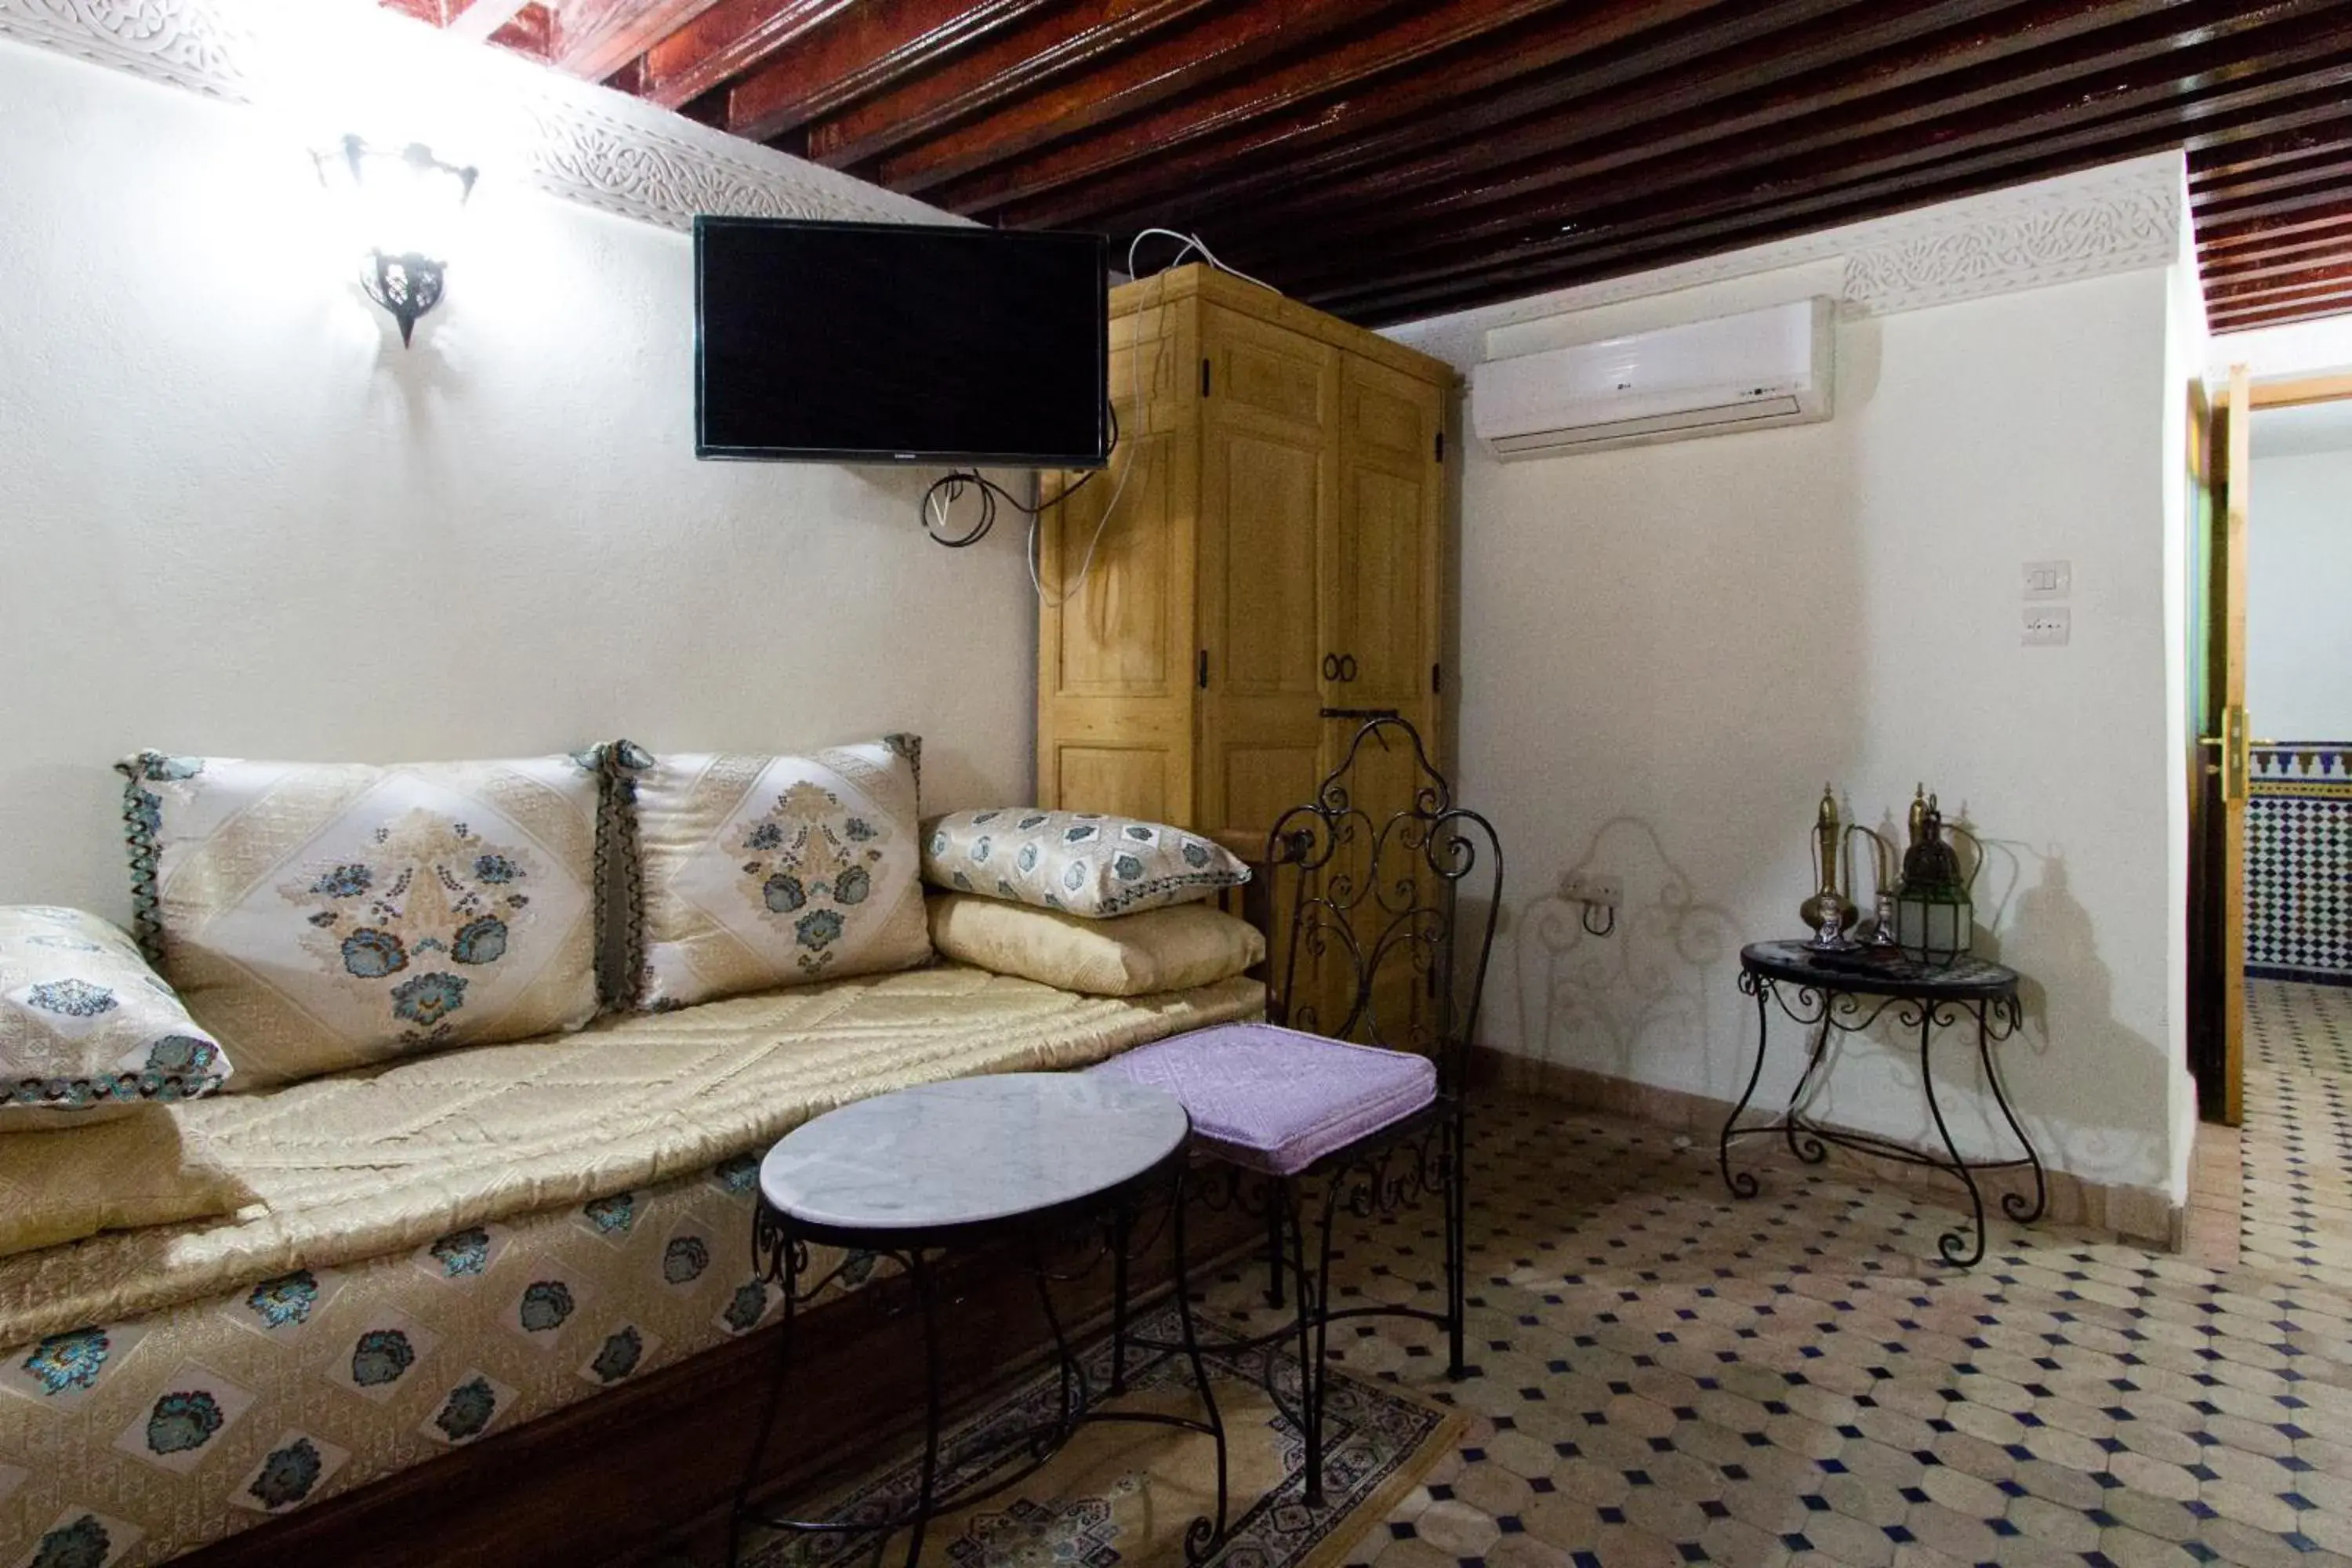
x=1746 y=372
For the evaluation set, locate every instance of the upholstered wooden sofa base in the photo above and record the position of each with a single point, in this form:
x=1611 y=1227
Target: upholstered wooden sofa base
x=648 y=1470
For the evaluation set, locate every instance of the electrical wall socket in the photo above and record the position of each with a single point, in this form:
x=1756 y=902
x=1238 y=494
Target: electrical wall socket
x=2048 y=625
x=1591 y=888
x=2048 y=579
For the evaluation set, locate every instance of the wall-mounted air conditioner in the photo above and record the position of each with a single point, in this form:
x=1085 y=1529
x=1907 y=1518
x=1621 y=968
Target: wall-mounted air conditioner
x=1734 y=372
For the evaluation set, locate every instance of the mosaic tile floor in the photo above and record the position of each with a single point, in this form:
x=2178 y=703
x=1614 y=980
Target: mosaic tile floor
x=1664 y=1375
x=2295 y=1151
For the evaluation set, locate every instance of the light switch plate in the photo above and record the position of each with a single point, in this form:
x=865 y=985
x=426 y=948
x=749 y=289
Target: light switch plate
x=2048 y=625
x=2048 y=579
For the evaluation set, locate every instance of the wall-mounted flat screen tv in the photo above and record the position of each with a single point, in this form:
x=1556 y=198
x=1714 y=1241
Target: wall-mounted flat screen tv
x=899 y=344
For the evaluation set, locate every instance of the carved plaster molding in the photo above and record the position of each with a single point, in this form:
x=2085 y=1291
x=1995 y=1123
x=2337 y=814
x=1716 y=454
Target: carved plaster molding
x=585 y=152
x=187 y=44
x=2117 y=219
x=566 y=138
x=2061 y=234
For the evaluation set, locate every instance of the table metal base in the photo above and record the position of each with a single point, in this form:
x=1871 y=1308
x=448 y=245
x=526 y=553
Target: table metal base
x=1827 y=1009
x=1108 y=1227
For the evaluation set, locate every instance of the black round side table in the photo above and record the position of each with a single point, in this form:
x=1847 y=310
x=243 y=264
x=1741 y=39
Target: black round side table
x=1845 y=994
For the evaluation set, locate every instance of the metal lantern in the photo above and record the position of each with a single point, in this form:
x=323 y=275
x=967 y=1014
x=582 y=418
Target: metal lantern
x=1934 y=919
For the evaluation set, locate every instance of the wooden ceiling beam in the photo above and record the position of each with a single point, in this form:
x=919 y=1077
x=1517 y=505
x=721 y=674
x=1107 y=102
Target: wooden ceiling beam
x=865 y=51
x=1068 y=37
x=1526 y=202
x=1751 y=212
x=1370 y=310
x=1564 y=175
x=2287 y=317
x=2222 y=209
x=2279 y=312
x=2095 y=103
x=1219 y=44
x=2281 y=256
x=1897 y=87
x=2260 y=234
x=713 y=40
x=1456 y=51
x=1539 y=70
x=478 y=19
x=594 y=39
x=2327 y=278
x=2260 y=157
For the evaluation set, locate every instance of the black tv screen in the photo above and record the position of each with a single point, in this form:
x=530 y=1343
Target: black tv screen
x=899 y=344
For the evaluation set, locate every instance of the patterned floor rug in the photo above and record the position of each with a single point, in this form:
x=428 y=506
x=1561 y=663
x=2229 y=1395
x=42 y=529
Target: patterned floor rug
x=1123 y=1493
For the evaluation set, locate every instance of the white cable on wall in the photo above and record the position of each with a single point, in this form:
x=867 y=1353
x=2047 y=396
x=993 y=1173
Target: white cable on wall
x=1135 y=368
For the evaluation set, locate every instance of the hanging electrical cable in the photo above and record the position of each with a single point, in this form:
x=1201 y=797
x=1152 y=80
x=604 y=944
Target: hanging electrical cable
x=947 y=490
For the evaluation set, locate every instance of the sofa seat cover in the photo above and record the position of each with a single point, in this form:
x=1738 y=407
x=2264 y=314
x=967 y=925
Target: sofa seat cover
x=377 y=1162
x=1275 y=1099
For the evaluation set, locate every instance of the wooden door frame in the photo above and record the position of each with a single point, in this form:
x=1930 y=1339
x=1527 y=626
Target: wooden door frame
x=2215 y=915
x=2298 y=392
x=2222 y=643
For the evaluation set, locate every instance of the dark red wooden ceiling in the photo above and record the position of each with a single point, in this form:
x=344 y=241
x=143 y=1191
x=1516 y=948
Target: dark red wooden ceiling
x=1389 y=159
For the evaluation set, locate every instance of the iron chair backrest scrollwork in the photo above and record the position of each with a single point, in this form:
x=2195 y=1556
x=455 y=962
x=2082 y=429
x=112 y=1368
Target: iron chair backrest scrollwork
x=1391 y=909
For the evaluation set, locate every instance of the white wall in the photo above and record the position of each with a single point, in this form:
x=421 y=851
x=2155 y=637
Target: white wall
x=2298 y=586
x=2299 y=348
x=1667 y=650
x=237 y=518
x=2186 y=507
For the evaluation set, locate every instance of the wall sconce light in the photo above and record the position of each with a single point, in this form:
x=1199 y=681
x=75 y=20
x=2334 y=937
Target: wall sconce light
x=401 y=204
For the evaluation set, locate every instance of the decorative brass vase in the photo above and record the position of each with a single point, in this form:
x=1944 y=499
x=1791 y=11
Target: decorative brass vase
x=1829 y=914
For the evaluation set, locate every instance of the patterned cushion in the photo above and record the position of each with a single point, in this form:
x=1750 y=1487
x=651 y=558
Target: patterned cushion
x=764 y=872
x=1277 y=1100
x=1158 y=949
x=318 y=916
x=86 y=1030
x=132 y=1173
x=1081 y=862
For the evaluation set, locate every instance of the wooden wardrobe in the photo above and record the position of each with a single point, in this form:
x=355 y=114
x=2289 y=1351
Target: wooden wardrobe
x=1274 y=570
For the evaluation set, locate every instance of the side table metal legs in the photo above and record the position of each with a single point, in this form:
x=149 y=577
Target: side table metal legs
x=1824 y=1011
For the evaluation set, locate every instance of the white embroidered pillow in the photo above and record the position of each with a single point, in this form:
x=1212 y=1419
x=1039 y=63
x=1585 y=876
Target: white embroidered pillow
x=1080 y=862
x=319 y=916
x=758 y=872
x=86 y=1030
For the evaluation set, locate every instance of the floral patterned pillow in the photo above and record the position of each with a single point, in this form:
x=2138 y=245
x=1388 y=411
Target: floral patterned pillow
x=1080 y=862
x=757 y=872
x=319 y=916
x=87 y=1029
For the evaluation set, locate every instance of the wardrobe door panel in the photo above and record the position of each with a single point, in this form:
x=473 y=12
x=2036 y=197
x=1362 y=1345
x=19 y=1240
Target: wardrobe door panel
x=1381 y=563
x=1269 y=469
x=1116 y=645
x=1141 y=781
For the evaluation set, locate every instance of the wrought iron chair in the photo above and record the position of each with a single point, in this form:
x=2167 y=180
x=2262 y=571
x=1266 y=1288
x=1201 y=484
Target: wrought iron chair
x=1349 y=1101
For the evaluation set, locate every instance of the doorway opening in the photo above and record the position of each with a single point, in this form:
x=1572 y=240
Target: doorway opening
x=2271 y=881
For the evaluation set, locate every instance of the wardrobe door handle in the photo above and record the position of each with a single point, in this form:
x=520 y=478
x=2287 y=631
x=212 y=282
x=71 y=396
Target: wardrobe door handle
x=1331 y=667
x=1346 y=667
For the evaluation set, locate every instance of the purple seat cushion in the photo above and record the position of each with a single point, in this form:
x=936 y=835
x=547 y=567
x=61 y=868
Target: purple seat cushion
x=1277 y=1100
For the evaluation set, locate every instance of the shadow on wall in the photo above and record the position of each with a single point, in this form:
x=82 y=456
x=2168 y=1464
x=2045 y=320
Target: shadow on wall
x=1597 y=1002
x=2107 y=1082
x=2077 y=1077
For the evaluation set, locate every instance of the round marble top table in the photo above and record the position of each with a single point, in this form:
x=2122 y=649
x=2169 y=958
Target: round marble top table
x=970 y=1151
